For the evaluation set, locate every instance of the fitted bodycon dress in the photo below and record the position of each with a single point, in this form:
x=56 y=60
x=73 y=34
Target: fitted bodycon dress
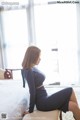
x=39 y=96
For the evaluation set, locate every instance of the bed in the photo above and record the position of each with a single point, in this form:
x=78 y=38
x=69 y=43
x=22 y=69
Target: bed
x=14 y=99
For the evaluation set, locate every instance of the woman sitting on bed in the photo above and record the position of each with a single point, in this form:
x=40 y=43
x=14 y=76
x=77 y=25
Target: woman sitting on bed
x=64 y=100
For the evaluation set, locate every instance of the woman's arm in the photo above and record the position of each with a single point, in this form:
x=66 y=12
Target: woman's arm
x=30 y=79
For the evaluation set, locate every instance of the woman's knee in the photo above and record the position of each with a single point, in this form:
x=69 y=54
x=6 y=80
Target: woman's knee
x=72 y=106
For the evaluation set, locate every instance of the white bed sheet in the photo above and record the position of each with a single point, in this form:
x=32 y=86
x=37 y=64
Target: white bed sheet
x=14 y=99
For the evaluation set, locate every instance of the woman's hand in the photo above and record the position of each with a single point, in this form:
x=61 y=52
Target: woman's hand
x=25 y=112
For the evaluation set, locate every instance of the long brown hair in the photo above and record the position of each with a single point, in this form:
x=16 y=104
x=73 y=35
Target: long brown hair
x=31 y=56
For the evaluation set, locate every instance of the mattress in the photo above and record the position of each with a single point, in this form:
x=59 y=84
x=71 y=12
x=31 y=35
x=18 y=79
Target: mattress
x=14 y=99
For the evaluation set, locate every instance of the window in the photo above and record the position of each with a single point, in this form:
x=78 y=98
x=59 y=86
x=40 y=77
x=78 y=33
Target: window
x=15 y=37
x=56 y=35
x=53 y=28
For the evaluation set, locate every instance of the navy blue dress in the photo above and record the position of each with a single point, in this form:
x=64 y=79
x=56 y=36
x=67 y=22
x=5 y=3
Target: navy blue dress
x=39 y=96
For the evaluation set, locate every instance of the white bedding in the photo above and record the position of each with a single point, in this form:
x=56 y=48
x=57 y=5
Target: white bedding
x=14 y=99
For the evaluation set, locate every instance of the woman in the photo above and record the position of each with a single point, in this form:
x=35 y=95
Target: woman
x=64 y=100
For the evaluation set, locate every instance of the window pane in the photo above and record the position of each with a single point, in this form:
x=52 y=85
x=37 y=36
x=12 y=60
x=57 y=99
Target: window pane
x=15 y=36
x=56 y=27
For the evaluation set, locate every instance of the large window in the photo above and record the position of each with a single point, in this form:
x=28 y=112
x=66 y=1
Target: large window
x=15 y=36
x=15 y=32
x=53 y=28
x=56 y=35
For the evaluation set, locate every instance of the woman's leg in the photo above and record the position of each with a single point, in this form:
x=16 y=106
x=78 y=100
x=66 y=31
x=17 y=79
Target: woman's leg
x=73 y=97
x=73 y=106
